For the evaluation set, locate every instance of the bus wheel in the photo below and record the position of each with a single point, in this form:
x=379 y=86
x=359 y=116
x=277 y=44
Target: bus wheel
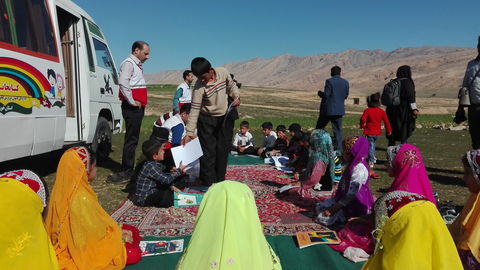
x=102 y=141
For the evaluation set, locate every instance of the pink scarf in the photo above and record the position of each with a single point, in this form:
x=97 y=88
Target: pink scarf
x=410 y=174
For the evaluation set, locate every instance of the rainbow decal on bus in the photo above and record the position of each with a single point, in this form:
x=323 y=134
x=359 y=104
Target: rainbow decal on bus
x=21 y=87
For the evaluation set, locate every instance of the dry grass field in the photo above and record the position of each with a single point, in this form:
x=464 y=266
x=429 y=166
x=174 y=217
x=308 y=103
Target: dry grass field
x=441 y=149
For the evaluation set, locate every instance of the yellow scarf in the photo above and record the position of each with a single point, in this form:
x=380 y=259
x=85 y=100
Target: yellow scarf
x=24 y=242
x=415 y=237
x=84 y=236
x=228 y=233
x=466 y=228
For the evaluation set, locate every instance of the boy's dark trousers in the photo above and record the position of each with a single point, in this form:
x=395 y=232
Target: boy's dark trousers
x=248 y=151
x=215 y=137
x=133 y=121
x=474 y=125
x=163 y=197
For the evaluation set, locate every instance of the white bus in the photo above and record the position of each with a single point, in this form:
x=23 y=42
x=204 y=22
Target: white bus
x=58 y=81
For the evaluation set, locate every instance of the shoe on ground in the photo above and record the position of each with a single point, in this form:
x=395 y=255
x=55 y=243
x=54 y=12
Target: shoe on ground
x=374 y=175
x=119 y=178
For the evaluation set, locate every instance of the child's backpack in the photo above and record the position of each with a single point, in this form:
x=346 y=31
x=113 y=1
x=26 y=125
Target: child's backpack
x=391 y=93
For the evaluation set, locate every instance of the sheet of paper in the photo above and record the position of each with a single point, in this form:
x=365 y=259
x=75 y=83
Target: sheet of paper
x=188 y=153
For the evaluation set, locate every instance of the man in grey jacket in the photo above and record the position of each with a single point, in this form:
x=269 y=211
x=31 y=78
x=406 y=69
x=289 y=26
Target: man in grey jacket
x=472 y=82
x=332 y=106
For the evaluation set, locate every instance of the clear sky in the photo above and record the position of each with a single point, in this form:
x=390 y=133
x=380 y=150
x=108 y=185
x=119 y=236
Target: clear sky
x=234 y=31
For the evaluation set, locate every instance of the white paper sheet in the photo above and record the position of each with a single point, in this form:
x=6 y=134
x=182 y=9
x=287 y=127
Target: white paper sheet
x=188 y=153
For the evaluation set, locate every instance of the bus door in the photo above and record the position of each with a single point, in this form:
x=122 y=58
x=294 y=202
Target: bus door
x=68 y=28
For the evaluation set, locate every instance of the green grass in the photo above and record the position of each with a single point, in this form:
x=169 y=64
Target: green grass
x=441 y=149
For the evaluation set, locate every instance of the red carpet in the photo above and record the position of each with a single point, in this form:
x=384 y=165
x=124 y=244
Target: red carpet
x=263 y=180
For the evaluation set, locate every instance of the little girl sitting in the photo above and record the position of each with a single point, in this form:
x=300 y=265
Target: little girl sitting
x=353 y=197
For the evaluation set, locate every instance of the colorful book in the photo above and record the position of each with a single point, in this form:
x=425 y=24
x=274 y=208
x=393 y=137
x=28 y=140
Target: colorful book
x=151 y=248
x=306 y=239
x=182 y=199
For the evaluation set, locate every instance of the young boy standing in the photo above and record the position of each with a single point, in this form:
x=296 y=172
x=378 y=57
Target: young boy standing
x=211 y=116
x=268 y=140
x=371 y=123
x=243 y=140
x=154 y=187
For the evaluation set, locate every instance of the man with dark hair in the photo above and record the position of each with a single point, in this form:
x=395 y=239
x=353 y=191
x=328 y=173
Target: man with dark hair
x=471 y=80
x=332 y=106
x=209 y=115
x=133 y=94
x=183 y=95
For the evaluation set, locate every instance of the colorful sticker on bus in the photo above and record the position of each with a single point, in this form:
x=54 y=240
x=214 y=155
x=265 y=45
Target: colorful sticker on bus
x=22 y=86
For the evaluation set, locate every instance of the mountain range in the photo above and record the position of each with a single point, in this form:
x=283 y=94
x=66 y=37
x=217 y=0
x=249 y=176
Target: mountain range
x=433 y=68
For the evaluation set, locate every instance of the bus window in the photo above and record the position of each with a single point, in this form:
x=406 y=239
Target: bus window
x=104 y=59
x=33 y=27
x=5 y=34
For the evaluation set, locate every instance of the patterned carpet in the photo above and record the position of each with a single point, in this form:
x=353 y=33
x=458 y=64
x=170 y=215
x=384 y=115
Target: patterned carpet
x=263 y=180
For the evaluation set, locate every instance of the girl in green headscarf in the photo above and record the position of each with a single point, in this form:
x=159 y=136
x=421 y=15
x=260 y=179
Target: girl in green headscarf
x=320 y=169
x=228 y=233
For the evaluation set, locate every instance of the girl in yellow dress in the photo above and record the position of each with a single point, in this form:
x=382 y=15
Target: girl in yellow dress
x=24 y=243
x=228 y=233
x=466 y=228
x=83 y=235
x=410 y=233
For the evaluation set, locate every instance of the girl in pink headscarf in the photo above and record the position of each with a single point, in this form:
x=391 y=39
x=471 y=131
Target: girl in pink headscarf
x=405 y=163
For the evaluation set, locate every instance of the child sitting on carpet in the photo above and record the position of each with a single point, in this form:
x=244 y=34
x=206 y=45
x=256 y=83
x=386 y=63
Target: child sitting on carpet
x=154 y=187
x=281 y=144
x=228 y=233
x=243 y=140
x=83 y=235
x=268 y=140
x=296 y=133
x=353 y=197
x=466 y=228
x=320 y=170
x=300 y=159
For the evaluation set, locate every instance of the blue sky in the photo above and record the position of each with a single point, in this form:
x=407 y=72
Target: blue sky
x=226 y=31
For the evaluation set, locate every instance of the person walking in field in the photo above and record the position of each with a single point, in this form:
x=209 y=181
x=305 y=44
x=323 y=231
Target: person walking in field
x=332 y=106
x=471 y=80
x=133 y=94
x=402 y=117
x=183 y=95
x=212 y=119
x=371 y=123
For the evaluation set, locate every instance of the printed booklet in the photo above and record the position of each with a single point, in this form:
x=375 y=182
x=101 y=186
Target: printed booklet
x=151 y=248
x=186 y=199
x=306 y=239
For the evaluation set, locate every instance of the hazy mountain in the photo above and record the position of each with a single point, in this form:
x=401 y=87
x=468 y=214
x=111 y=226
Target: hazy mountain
x=367 y=70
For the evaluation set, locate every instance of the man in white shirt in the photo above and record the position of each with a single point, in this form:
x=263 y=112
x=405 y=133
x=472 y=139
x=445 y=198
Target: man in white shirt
x=183 y=95
x=133 y=94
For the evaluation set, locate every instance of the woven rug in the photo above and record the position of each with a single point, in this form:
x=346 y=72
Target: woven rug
x=263 y=180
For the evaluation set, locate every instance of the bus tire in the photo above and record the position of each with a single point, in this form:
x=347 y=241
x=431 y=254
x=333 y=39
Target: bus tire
x=102 y=141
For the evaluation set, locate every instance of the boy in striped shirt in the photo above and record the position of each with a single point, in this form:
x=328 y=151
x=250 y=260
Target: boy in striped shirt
x=213 y=117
